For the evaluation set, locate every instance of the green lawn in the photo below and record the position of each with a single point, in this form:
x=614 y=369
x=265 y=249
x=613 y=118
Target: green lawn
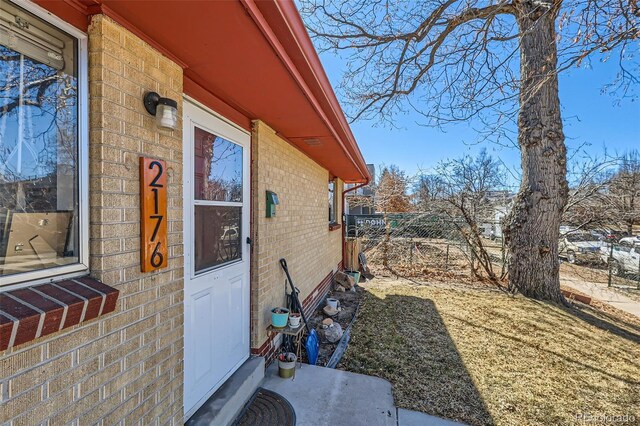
x=483 y=357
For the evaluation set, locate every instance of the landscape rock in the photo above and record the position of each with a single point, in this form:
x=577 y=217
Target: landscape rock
x=328 y=310
x=333 y=333
x=345 y=280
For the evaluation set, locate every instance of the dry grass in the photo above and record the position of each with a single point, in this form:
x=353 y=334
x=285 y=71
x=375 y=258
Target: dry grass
x=482 y=357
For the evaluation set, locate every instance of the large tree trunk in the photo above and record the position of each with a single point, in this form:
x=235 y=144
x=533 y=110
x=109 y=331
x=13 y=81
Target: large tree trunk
x=533 y=226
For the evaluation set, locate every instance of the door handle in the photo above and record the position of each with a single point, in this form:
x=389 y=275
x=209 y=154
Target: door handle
x=249 y=241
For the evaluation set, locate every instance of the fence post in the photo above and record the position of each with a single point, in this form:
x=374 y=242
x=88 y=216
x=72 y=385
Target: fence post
x=638 y=274
x=446 y=262
x=610 y=259
x=411 y=250
x=503 y=255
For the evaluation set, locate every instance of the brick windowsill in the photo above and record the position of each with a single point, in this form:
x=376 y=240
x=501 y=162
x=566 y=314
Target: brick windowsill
x=334 y=226
x=32 y=312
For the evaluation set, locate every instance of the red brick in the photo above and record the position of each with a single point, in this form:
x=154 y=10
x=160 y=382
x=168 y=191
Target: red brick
x=53 y=310
x=50 y=309
x=6 y=327
x=74 y=303
x=94 y=298
x=110 y=292
x=14 y=308
x=27 y=329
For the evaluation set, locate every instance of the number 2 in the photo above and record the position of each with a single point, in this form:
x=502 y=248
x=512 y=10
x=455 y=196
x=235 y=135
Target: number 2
x=154 y=183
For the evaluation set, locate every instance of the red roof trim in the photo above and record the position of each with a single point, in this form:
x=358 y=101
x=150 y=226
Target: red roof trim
x=202 y=95
x=77 y=5
x=306 y=48
x=283 y=29
x=100 y=8
x=296 y=26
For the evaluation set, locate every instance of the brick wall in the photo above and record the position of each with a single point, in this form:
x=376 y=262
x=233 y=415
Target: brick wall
x=126 y=366
x=299 y=232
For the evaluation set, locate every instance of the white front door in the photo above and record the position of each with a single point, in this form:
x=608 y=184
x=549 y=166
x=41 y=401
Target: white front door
x=216 y=255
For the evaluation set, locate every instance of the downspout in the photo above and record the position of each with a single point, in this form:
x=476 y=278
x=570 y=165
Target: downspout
x=344 y=231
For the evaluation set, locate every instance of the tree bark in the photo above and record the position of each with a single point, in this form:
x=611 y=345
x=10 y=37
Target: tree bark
x=533 y=225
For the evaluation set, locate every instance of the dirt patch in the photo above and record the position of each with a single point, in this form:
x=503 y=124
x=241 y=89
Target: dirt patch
x=349 y=302
x=431 y=259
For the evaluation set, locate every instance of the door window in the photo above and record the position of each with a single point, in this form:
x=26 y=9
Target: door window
x=218 y=201
x=217 y=236
x=217 y=168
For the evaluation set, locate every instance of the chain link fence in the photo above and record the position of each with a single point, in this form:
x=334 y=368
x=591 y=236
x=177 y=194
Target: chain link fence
x=434 y=247
x=624 y=265
x=422 y=245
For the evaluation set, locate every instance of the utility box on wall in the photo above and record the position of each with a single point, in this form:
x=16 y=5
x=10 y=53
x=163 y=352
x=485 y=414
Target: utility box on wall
x=272 y=202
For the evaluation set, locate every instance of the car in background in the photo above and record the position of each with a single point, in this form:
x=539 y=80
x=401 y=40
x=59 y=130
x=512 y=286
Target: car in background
x=622 y=258
x=580 y=246
x=610 y=235
x=630 y=240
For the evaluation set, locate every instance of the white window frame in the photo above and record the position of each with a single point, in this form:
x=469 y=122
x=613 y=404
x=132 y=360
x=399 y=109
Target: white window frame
x=335 y=220
x=23 y=279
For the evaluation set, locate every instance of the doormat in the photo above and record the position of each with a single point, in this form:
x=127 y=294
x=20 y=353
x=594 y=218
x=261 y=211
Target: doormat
x=266 y=408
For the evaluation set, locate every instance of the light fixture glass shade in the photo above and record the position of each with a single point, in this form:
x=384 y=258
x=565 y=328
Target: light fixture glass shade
x=166 y=116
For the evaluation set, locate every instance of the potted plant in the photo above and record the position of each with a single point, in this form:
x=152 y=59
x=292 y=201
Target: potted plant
x=294 y=320
x=287 y=364
x=279 y=317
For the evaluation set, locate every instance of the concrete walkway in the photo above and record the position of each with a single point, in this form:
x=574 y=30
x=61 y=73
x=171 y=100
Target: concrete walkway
x=603 y=293
x=326 y=397
x=416 y=418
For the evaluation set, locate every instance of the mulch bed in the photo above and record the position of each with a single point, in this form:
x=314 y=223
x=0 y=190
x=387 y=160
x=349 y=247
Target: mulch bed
x=348 y=302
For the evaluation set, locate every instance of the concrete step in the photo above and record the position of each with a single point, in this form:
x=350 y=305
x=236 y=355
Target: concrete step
x=225 y=404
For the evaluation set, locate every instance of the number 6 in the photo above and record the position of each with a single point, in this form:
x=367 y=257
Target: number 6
x=156 y=257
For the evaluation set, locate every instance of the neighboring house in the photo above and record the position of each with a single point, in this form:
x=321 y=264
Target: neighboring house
x=362 y=199
x=492 y=221
x=499 y=197
x=150 y=277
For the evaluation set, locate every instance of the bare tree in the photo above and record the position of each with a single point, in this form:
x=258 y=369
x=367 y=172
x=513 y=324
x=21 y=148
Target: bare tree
x=493 y=60
x=624 y=191
x=467 y=184
x=589 y=204
x=428 y=190
x=391 y=197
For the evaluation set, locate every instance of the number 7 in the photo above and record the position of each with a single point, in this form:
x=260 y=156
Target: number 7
x=155 y=230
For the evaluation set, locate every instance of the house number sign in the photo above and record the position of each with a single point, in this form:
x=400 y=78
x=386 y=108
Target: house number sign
x=153 y=214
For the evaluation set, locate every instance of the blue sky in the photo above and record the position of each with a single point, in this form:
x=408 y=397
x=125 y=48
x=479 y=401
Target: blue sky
x=590 y=117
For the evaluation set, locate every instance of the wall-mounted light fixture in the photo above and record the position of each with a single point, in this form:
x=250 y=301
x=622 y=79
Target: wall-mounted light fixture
x=164 y=109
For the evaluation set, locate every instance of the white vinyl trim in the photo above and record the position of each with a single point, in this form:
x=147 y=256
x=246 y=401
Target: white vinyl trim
x=210 y=111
